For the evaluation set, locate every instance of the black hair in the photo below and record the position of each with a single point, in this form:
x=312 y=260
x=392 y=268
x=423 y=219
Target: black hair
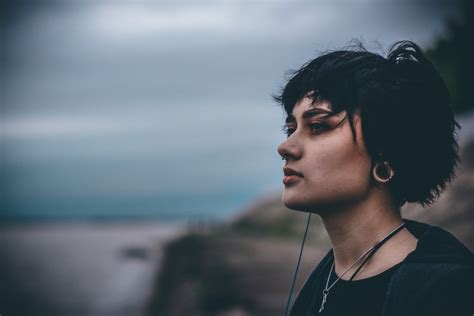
x=405 y=111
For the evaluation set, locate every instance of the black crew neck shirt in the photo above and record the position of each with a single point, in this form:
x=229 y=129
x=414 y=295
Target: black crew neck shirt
x=357 y=297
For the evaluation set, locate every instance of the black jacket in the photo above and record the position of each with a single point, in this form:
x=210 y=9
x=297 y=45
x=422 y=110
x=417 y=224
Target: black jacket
x=434 y=279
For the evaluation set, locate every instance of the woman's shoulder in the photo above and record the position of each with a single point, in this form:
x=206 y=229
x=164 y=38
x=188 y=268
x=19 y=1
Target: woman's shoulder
x=434 y=279
x=434 y=287
x=436 y=246
x=439 y=259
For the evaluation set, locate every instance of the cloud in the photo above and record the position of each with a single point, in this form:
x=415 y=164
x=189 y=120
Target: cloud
x=135 y=19
x=168 y=98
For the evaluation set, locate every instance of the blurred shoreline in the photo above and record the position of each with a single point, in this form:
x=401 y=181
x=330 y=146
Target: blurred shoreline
x=80 y=268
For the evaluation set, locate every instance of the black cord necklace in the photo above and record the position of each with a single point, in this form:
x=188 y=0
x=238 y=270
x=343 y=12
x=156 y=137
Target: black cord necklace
x=371 y=251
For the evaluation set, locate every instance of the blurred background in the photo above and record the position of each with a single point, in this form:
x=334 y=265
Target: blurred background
x=136 y=135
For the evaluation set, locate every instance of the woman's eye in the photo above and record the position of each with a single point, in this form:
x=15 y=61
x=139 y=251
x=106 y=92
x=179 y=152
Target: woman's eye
x=288 y=130
x=316 y=127
x=313 y=127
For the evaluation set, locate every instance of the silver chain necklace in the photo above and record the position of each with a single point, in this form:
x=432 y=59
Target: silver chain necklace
x=326 y=289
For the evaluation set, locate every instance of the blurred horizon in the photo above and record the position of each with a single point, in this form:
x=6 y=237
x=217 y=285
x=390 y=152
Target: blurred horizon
x=142 y=109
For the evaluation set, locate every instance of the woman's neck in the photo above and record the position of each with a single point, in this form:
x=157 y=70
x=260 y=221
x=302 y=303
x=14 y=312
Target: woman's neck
x=353 y=230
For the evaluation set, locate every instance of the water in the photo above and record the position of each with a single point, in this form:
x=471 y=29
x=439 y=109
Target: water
x=80 y=269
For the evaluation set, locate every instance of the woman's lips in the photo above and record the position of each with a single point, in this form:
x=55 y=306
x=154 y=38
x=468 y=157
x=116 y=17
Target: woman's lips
x=291 y=175
x=290 y=179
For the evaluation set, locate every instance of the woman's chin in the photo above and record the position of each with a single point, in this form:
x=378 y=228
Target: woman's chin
x=304 y=203
x=295 y=204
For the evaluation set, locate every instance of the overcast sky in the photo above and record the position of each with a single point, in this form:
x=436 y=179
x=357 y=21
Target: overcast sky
x=164 y=107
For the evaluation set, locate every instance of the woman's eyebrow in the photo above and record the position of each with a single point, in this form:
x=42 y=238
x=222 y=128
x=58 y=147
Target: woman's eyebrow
x=307 y=114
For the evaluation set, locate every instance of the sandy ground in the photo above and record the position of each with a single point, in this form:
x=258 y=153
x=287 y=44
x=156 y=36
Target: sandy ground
x=80 y=269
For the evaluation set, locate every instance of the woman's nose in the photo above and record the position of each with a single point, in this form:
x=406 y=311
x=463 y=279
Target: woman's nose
x=289 y=150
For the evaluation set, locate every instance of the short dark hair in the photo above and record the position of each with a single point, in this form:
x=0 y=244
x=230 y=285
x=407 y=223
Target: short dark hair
x=405 y=110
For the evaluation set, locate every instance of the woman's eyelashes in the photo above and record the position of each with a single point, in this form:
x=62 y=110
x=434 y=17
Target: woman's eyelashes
x=287 y=130
x=314 y=127
x=317 y=127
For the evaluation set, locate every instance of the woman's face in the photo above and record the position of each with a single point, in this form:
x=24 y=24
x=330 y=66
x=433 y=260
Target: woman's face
x=333 y=169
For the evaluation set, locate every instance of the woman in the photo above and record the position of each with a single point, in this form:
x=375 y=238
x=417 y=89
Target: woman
x=366 y=134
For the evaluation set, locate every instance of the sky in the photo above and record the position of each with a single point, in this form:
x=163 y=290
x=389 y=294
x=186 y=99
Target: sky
x=163 y=108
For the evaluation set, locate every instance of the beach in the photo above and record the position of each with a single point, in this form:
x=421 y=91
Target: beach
x=93 y=269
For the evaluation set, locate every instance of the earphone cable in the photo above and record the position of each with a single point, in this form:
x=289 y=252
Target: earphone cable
x=297 y=266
